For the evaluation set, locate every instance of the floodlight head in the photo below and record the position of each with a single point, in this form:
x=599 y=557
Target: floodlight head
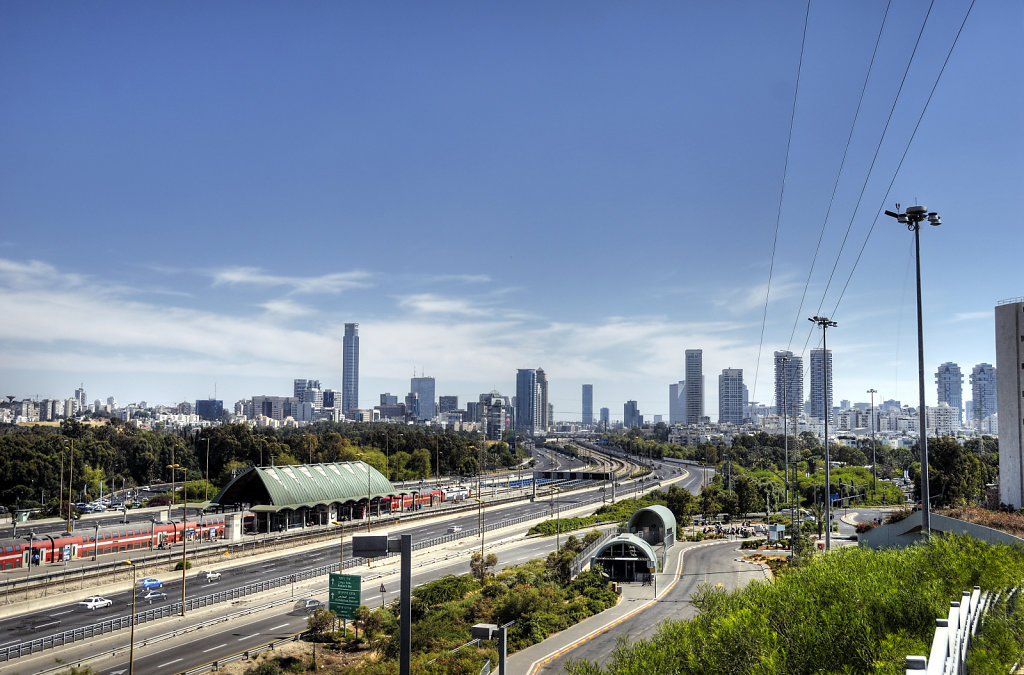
x=917 y=210
x=934 y=219
x=892 y=214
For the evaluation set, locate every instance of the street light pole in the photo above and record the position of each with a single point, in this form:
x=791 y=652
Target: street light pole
x=912 y=218
x=826 y=323
x=131 y=638
x=785 y=443
x=874 y=468
x=184 y=537
x=71 y=473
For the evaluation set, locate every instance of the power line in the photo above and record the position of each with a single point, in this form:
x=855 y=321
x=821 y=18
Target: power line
x=782 y=193
x=839 y=173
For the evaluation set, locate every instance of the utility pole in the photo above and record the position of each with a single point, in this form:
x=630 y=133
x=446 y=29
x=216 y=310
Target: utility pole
x=874 y=468
x=824 y=322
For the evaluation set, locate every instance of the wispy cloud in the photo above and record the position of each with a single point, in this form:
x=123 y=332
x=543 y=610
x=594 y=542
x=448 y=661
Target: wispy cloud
x=286 y=308
x=459 y=278
x=971 y=316
x=429 y=303
x=327 y=283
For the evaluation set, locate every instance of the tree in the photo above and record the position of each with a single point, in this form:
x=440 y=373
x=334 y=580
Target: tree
x=320 y=623
x=955 y=474
x=419 y=463
x=482 y=566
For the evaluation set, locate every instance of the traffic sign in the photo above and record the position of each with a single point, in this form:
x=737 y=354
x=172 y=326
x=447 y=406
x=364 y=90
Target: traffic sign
x=344 y=594
x=382 y=589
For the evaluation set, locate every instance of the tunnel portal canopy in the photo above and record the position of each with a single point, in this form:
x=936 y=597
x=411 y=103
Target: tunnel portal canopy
x=627 y=557
x=654 y=524
x=306 y=486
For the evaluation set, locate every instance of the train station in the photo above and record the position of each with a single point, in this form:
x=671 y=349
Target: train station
x=284 y=497
x=631 y=556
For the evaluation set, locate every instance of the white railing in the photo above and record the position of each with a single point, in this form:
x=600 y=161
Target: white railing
x=952 y=637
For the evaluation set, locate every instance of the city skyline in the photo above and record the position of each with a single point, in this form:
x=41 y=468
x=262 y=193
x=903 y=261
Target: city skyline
x=454 y=181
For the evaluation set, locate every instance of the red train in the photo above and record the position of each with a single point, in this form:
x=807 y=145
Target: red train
x=405 y=502
x=83 y=542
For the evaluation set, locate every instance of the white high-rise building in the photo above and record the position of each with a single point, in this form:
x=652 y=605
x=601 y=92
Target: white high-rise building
x=984 y=390
x=789 y=384
x=949 y=383
x=1010 y=384
x=821 y=384
x=730 y=396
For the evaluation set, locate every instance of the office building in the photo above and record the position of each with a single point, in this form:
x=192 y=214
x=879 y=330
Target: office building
x=694 y=389
x=588 y=405
x=821 y=384
x=1010 y=384
x=388 y=399
x=677 y=403
x=730 y=396
x=423 y=387
x=631 y=415
x=542 y=401
x=299 y=388
x=789 y=384
x=984 y=391
x=606 y=418
x=526 y=401
x=949 y=383
x=493 y=408
x=448 y=403
x=350 y=368
x=209 y=409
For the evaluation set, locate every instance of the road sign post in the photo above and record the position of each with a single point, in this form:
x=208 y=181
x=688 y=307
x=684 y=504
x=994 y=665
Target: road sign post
x=345 y=593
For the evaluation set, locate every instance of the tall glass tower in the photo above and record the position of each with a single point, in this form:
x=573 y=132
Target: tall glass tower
x=821 y=370
x=694 y=395
x=588 y=405
x=789 y=384
x=350 y=368
x=526 y=401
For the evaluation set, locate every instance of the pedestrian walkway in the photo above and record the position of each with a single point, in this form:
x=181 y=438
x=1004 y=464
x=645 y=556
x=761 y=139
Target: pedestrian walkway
x=636 y=597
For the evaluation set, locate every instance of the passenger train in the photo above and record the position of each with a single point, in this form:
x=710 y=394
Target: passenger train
x=85 y=543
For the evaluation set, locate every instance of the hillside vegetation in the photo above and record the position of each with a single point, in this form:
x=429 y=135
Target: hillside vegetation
x=851 y=611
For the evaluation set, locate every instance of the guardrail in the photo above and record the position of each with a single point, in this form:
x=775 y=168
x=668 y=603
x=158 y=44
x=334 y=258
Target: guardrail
x=119 y=623
x=580 y=561
x=948 y=655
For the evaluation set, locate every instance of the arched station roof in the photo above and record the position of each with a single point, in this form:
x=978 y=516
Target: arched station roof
x=642 y=548
x=306 y=485
x=657 y=513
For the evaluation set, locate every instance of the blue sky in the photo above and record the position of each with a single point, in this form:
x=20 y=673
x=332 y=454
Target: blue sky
x=198 y=195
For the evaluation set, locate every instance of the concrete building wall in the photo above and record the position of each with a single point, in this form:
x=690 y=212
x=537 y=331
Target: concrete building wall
x=1010 y=395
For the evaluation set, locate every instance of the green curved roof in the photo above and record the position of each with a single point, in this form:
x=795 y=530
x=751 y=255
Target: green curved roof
x=306 y=485
x=668 y=519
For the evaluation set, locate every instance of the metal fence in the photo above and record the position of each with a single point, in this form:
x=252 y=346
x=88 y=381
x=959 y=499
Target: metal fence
x=952 y=637
x=581 y=560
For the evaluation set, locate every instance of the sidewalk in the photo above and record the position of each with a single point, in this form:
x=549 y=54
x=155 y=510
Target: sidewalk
x=635 y=599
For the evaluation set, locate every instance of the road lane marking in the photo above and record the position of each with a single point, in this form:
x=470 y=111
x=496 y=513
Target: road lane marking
x=168 y=663
x=62 y=613
x=217 y=647
x=248 y=636
x=281 y=626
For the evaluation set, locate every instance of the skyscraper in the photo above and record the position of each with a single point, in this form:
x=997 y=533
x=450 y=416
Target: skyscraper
x=950 y=383
x=588 y=405
x=789 y=384
x=821 y=370
x=423 y=387
x=730 y=396
x=630 y=415
x=526 y=401
x=447 y=404
x=676 y=402
x=544 y=420
x=1009 y=353
x=984 y=388
x=350 y=369
x=694 y=386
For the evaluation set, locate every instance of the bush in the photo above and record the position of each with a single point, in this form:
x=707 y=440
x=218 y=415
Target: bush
x=178 y=565
x=752 y=543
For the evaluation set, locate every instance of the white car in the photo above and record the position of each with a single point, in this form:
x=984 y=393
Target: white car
x=95 y=602
x=208 y=575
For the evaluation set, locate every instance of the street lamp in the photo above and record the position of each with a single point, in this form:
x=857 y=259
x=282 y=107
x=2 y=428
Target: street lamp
x=71 y=473
x=482 y=522
x=131 y=648
x=912 y=218
x=824 y=322
x=172 y=467
x=367 y=492
x=785 y=442
x=874 y=468
x=558 y=519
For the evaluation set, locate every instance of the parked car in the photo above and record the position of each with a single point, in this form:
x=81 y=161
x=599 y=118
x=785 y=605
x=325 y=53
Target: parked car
x=149 y=583
x=307 y=605
x=95 y=602
x=154 y=595
x=209 y=575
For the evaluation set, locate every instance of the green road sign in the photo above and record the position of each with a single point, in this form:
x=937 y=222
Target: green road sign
x=344 y=594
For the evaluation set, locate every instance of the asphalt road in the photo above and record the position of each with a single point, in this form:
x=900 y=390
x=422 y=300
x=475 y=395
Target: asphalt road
x=714 y=564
